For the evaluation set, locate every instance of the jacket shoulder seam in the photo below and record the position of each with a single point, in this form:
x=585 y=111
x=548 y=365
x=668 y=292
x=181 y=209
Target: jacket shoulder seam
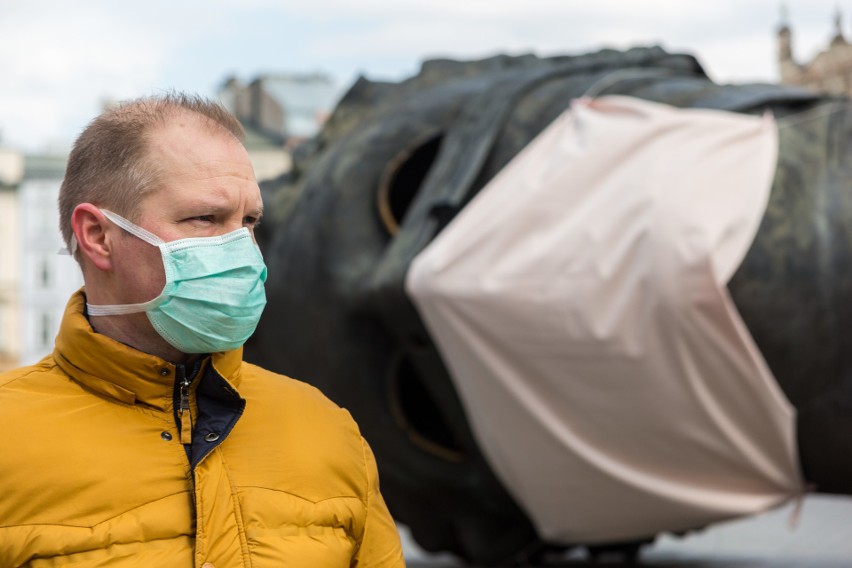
x=13 y=376
x=332 y=498
x=71 y=526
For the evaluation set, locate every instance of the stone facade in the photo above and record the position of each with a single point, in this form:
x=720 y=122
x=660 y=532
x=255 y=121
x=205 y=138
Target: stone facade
x=35 y=282
x=829 y=72
x=47 y=279
x=11 y=173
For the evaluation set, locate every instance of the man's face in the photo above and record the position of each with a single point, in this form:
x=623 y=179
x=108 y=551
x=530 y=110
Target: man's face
x=207 y=188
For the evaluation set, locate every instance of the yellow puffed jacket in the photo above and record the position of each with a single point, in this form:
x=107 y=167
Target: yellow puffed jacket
x=93 y=472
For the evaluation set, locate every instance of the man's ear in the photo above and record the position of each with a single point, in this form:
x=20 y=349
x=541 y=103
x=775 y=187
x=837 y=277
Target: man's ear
x=91 y=231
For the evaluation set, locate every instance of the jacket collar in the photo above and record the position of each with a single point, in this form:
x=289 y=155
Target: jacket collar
x=118 y=371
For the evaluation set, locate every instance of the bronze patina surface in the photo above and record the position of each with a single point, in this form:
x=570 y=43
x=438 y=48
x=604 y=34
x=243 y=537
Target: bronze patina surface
x=396 y=162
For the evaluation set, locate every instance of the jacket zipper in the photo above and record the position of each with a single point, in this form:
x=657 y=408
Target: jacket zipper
x=184 y=414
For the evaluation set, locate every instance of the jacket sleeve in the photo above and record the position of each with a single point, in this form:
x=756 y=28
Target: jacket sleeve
x=380 y=546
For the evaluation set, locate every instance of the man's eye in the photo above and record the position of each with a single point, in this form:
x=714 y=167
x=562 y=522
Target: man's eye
x=203 y=218
x=252 y=221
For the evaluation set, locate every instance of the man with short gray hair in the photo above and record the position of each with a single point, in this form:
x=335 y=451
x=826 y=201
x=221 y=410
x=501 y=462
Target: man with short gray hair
x=144 y=439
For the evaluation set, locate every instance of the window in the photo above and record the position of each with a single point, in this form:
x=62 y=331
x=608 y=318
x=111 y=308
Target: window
x=45 y=271
x=46 y=332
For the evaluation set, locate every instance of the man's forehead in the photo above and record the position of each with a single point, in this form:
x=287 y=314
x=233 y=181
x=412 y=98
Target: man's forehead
x=181 y=132
x=216 y=198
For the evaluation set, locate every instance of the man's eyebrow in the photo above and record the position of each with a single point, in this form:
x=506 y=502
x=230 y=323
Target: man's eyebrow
x=209 y=208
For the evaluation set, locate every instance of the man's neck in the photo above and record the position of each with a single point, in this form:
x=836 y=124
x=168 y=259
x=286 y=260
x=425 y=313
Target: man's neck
x=126 y=329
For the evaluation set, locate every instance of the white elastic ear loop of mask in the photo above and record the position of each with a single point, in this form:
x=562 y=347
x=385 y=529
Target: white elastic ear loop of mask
x=131 y=228
x=71 y=248
x=122 y=309
x=146 y=236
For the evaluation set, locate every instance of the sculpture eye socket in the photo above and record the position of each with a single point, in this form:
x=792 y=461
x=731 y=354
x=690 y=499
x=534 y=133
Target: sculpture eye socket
x=418 y=414
x=402 y=178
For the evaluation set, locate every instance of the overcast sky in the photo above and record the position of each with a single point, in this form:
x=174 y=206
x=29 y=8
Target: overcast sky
x=60 y=60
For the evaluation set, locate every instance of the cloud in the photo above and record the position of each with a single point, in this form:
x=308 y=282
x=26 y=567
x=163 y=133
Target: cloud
x=420 y=28
x=57 y=63
x=61 y=59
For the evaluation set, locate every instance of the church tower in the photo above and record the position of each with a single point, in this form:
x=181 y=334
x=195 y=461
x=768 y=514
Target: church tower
x=830 y=71
x=838 y=38
x=788 y=69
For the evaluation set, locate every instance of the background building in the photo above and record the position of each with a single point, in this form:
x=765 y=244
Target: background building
x=278 y=112
x=47 y=279
x=829 y=72
x=11 y=172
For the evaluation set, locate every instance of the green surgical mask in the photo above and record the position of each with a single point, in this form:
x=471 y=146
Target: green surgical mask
x=213 y=295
